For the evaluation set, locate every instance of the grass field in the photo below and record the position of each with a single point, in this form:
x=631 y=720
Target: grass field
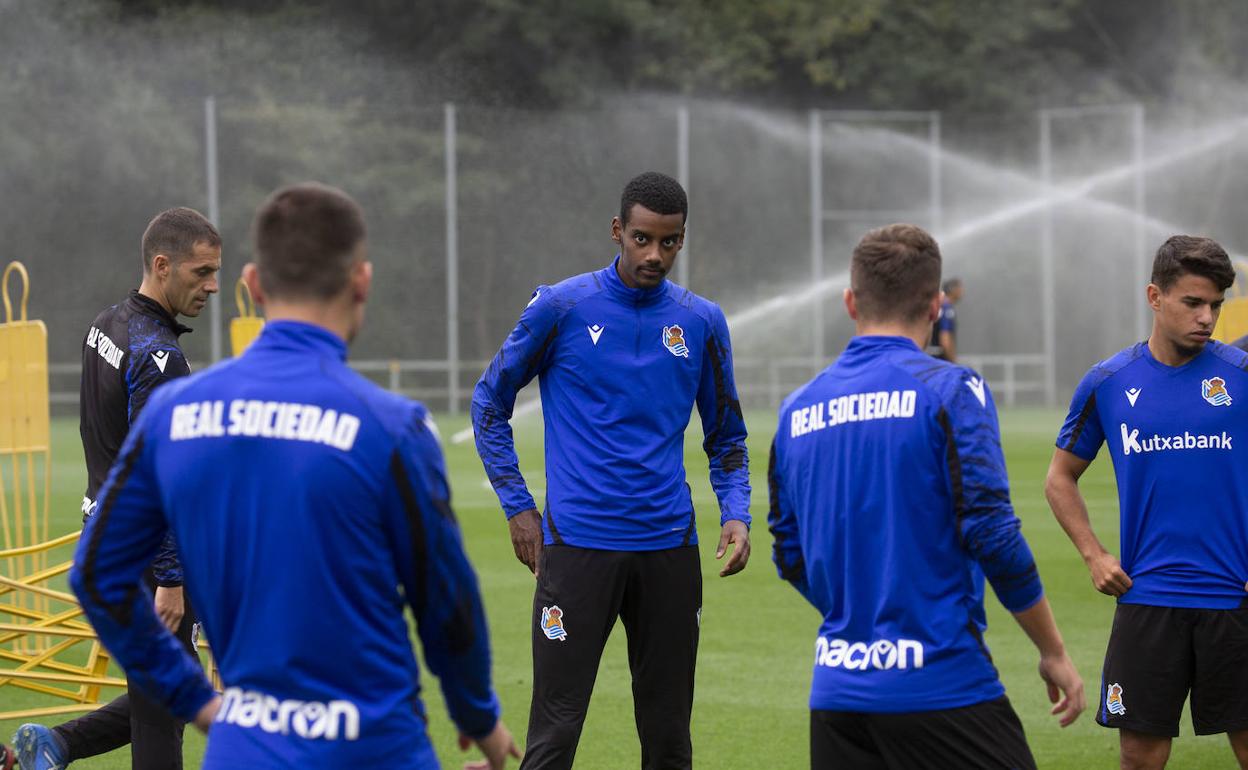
x=755 y=656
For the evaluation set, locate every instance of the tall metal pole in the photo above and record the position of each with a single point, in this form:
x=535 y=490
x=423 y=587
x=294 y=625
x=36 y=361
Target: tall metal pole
x=682 y=172
x=1047 y=269
x=816 y=235
x=452 y=267
x=933 y=160
x=214 y=215
x=1142 y=267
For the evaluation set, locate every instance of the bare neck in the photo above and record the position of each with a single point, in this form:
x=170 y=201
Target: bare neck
x=150 y=289
x=919 y=332
x=1166 y=352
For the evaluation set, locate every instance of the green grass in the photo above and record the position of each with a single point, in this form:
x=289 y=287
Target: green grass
x=754 y=662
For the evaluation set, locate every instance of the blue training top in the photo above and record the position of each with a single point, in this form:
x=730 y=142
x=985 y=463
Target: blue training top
x=620 y=371
x=308 y=505
x=1182 y=490
x=888 y=497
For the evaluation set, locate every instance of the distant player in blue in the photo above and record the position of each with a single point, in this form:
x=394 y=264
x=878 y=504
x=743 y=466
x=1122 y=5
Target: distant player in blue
x=944 y=343
x=1173 y=412
x=889 y=504
x=309 y=506
x=623 y=355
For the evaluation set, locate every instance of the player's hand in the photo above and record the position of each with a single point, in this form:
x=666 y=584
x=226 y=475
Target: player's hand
x=496 y=747
x=1065 y=687
x=526 y=538
x=169 y=607
x=203 y=719
x=738 y=535
x=1108 y=575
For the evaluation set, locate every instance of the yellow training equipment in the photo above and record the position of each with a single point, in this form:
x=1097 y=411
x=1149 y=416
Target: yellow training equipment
x=245 y=328
x=1233 y=322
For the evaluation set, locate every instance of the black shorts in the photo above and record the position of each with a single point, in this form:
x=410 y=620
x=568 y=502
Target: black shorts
x=1157 y=654
x=985 y=736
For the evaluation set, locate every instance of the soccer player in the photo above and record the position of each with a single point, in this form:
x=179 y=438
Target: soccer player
x=1172 y=410
x=944 y=343
x=623 y=356
x=309 y=505
x=129 y=350
x=889 y=504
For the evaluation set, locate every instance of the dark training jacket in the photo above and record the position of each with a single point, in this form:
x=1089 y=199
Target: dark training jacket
x=130 y=349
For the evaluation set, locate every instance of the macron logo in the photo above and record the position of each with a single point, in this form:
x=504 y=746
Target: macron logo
x=1132 y=395
x=1132 y=443
x=161 y=357
x=976 y=385
x=595 y=332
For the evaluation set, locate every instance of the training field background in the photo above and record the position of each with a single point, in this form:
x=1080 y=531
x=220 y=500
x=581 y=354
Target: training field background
x=757 y=633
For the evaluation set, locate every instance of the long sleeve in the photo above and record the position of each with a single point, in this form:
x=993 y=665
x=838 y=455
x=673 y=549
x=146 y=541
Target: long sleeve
x=989 y=530
x=723 y=425
x=786 y=549
x=523 y=355
x=117 y=544
x=150 y=369
x=439 y=582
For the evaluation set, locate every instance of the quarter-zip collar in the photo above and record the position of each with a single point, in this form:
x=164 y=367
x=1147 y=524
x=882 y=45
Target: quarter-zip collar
x=150 y=307
x=298 y=336
x=610 y=276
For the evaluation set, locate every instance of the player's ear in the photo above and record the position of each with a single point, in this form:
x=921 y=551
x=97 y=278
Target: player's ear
x=851 y=304
x=361 y=280
x=1154 y=297
x=161 y=265
x=617 y=231
x=933 y=308
x=251 y=278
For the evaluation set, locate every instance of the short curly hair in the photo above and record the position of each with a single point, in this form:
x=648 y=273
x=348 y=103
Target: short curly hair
x=657 y=192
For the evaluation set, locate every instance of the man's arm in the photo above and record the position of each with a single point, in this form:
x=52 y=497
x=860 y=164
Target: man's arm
x=724 y=430
x=1058 y=671
x=992 y=535
x=948 y=345
x=786 y=549
x=523 y=355
x=441 y=587
x=117 y=544
x=1061 y=489
x=149 y=369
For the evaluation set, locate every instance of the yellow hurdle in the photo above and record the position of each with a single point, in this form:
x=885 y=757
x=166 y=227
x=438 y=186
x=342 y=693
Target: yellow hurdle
x=245 y=328
x=45 y=646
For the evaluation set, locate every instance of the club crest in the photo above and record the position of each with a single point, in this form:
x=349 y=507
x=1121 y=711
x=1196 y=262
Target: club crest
x=1214 y=391
x=552 y=623
x=674 y=341
x=1113 y=699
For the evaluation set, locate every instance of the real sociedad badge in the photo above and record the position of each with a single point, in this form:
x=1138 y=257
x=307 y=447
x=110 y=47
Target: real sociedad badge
x=674 y=341
x=552 y=623
x=1214 y=391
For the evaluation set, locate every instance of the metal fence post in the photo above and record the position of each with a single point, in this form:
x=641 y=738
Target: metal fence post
x=214 y=215
x=452 y=266
x=682 y=172
x=1047 y=258
x=1142 y=266
x=816 y=235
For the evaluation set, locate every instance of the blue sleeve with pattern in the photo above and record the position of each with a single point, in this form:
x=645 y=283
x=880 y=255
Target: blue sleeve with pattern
x=116 y=546
x=1082 y=433
x=987 y=526
x=524 y=354
x=723 y=425
x=438 y=581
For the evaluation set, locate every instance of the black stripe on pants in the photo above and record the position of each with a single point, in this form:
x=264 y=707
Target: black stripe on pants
x=580 y=593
